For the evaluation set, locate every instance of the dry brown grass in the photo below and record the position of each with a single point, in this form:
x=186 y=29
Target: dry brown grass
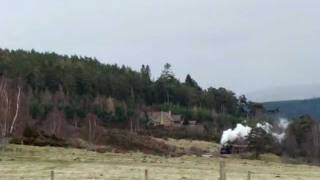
x=27 y=162
x=213 y=148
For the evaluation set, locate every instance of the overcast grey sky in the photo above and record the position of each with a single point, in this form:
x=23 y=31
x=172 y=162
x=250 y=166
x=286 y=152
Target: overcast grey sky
x=243 y=45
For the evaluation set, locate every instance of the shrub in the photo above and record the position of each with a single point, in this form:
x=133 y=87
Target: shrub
x=120 y=114
x=30 y=132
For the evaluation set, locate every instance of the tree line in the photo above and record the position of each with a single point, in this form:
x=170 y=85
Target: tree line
x=83 y=79
x=48 y=86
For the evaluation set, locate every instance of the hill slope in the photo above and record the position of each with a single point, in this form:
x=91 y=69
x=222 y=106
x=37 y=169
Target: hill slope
x=296 y=108
x=79 y=97
x=294 y=92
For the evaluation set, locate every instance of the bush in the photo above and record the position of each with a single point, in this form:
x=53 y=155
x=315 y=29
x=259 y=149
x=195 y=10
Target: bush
x=30 y=132
x=102 y=114
x=120 y=114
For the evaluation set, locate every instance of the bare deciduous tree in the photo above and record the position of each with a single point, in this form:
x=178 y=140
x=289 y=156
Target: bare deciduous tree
x=6 y=101
x=7 y=117
x=4 y=105
x=315 y=147
x=55 y=118
x=92 y=125
x=17 y=110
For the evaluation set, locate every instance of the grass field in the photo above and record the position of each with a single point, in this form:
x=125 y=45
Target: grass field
x=27 y=162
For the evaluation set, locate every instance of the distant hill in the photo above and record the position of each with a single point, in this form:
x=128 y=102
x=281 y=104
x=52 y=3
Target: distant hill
x=300 y=91
x=296 y=108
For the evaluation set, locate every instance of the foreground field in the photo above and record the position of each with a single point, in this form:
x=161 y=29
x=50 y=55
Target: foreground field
x=26 y=162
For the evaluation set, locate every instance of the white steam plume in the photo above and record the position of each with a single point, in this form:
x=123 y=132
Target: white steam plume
x=231 y=135
x=266 y=127
x=281 y=125
x=241 y=132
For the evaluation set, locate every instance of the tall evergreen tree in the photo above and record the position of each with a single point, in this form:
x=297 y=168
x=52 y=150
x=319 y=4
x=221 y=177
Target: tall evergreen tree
x=191 y=82
x=167 y=72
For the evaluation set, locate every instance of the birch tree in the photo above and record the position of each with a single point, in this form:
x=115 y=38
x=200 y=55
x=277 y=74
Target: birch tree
x=7 y=121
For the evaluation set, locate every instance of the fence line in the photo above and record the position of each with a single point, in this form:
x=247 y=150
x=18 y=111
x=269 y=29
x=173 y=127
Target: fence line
x=146 y=174
x=52 y=175
x=222 y=173
x=249 y=175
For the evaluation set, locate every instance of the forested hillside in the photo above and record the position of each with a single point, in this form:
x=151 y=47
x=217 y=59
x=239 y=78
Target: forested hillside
x=50 y=99
x=88 y=78
x=294 y=109
x=51 y=89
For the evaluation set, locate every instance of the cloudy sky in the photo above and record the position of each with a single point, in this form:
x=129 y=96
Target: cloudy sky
x=242 y=45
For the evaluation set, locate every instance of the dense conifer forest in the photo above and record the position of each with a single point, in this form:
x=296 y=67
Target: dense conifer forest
x=83 y=80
